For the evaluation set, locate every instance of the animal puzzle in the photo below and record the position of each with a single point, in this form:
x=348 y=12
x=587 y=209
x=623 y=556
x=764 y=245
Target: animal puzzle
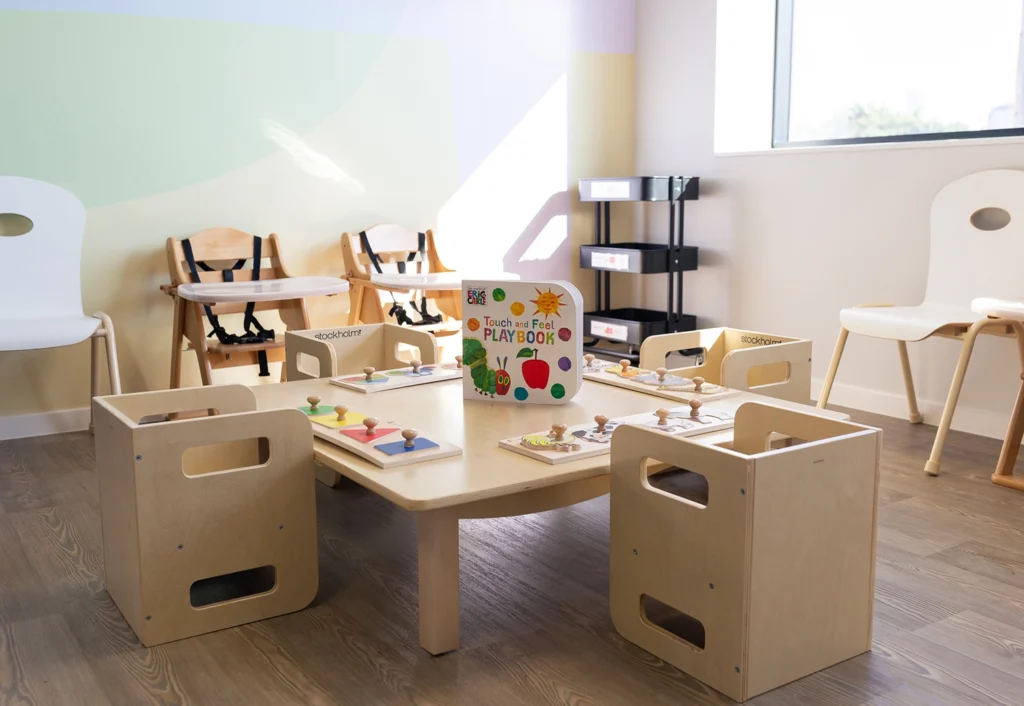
x=563 y=443
x=660 y=382
x=384 y=444
x=372 y=380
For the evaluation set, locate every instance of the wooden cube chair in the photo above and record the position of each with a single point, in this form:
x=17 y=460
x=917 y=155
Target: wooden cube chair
x=235 y=251
x=770 y=365
x=378 y=259
x=208 y=522
x=40 y=276
x=757 y=567
x=977 y=245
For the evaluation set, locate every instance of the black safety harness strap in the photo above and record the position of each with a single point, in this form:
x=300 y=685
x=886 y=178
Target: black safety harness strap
x=261 y=335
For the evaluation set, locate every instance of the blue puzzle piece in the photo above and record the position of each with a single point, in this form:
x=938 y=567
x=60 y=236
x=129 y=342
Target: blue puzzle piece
x=394 y=448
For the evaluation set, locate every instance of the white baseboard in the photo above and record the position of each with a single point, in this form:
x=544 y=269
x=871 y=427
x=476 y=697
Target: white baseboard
x=59 y=422
x=972 y=420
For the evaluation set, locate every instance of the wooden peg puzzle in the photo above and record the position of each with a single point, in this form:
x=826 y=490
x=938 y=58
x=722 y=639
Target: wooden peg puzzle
x=660 y=381
x=372 y=380
x=382 y=442
x=561 y=444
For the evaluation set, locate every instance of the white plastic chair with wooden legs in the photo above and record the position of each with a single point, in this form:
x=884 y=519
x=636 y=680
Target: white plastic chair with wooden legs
x=1014 y=311
x=41 y=231
x=977 y=244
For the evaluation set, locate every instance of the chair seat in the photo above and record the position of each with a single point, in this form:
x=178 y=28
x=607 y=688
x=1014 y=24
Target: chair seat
x=32 y=334
x=904 y=323
x=999 y=308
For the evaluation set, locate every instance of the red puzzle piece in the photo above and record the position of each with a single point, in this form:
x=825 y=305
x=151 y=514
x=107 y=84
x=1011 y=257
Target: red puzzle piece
x=360 y=435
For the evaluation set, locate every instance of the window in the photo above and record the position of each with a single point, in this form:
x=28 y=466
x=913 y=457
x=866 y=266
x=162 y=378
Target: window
x=849 y=71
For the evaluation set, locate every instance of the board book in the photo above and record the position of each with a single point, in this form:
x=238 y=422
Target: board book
x=660 y=382
x=521 y=341
x=382 y=442
x=562 y=444
x=371 y=380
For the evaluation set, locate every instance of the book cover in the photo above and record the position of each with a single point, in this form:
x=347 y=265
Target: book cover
x=521 y=341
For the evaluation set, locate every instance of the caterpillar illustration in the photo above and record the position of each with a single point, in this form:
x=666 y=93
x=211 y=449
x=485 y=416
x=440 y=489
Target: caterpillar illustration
x=474 y=355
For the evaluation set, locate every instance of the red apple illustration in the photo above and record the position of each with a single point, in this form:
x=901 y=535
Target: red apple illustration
x=535 y=371
x=502 y=380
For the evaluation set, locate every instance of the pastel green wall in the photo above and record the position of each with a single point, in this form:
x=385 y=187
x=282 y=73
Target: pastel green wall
x=165 y=125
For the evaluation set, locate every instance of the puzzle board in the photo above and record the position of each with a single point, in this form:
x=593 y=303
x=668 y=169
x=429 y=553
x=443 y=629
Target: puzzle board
x=397 y=378
x=673 y=387
x=585 y=441
x=386 y=447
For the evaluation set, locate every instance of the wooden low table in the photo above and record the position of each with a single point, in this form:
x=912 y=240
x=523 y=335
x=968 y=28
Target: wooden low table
x=485 y=481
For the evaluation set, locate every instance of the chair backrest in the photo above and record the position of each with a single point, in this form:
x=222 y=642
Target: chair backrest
x=977 y=239
x=40 y=270
x=221 y=248
x=391 y=244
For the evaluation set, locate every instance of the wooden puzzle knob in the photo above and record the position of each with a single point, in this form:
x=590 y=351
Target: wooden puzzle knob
x=624 y=364
x=341 y=410
x=661 y=374
x=662 y=415
x=409 y=435
x=368 y=372
x=415 y=365
x=695 y=406
x=314 y=403
x=697 y=382
x=601 y=421
x=370 y=423
x=588 y=359
x=558 y=432
x=458 y=360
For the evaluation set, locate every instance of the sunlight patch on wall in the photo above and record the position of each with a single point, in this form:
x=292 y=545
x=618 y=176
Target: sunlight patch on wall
x=489 y=214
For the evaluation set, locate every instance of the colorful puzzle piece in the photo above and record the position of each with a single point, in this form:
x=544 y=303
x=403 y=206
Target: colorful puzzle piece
x=394 y=448
x=376 y=378
x=331 y=420
x=363 y=437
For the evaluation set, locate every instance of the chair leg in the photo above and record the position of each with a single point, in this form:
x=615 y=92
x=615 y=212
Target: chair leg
x=1011 y=446
x=908 y=381
x=113 y=371
x=197 y=335
x=833 y=368
x=94 y=374
x=355 y=305
x=932 y=466
x=177 y=340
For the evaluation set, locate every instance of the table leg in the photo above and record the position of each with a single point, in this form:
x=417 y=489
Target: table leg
x=438 y=539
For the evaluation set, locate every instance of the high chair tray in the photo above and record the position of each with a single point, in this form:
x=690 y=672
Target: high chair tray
x=269 y=290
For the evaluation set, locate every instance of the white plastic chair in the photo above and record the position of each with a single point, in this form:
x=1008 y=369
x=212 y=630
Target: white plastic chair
x=40 y=277
x=977 y=245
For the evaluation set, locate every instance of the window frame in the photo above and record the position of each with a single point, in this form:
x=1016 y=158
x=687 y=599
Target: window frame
x=781 y=91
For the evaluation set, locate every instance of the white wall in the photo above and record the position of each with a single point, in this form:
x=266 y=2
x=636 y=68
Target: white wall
x=789 y=238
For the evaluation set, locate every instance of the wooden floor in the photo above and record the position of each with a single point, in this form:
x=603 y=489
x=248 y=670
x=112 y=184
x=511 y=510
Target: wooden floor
x=949 y=625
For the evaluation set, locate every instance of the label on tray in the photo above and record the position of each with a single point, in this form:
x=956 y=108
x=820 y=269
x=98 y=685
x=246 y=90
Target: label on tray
x=604 y=329
x=610 y=260
x=609 y=189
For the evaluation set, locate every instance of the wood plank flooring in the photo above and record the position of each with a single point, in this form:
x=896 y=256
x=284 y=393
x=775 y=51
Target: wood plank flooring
x=949 y=623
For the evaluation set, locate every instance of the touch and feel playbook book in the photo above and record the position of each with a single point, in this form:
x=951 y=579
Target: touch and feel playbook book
x=521 y=341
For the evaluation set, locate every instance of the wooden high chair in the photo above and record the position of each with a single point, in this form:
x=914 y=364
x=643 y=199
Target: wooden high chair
x=235 y=250
x=390 y=258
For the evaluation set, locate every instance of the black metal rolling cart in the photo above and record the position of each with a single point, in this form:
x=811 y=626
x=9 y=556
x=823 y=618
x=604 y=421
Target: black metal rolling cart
x=632 y=325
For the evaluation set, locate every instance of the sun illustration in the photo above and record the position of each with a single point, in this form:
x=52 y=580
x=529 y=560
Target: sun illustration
x=547 y=303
